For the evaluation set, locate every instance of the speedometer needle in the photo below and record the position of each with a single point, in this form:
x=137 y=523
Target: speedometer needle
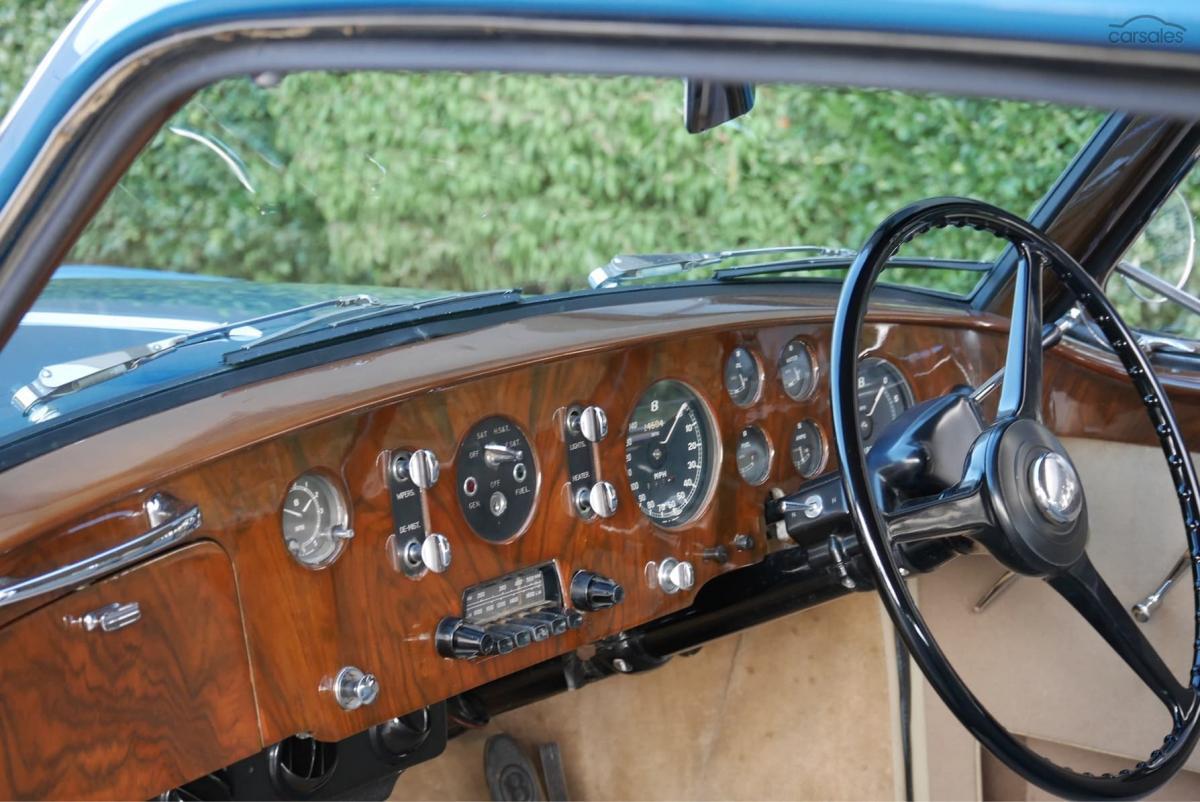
x=674 y=423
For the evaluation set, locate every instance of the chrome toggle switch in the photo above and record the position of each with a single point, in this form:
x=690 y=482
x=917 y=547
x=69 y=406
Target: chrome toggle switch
x=495 y=455
x=602 y=498
x=435 y=553
x=591 y=424
x=353 y=688
x=424 y=468
x=675 y=575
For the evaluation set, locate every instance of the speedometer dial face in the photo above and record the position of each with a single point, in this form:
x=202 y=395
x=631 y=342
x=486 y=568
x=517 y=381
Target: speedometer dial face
x=797 y=370
x=669 y=453
x=743 y=377
x=883 y=395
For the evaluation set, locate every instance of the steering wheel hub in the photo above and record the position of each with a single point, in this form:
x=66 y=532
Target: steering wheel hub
x=1056 y=488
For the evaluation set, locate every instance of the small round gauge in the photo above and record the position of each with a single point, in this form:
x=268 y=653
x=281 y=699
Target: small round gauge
x=743 y=377
x=797 y=370
x=315 y=522
x=497 y=479
x=753 y=455
x=669 y=453
x=808 y=448
x=883 y=394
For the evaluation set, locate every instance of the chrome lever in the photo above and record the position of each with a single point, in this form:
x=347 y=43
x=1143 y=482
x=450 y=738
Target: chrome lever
x=108 y=618
x=1002 y=583
x=1144 y=609
x=168 y=525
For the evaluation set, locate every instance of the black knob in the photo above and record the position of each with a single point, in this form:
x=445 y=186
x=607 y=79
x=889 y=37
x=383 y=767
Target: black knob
x=591 y=591
x=458 y=639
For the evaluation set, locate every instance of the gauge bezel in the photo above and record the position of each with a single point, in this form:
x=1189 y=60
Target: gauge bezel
x=759 y=371
x=718 y=452
x=813 y=361
x=339 y=515
x=537 y=480
x=770 y=453
x=824 y=448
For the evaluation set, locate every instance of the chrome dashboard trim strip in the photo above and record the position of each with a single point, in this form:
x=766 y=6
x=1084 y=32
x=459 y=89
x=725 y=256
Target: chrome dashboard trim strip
x=158 y=538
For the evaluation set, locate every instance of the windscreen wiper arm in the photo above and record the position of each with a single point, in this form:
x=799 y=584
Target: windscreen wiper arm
x=643 y=265
x=318 y=332
x=64 y=378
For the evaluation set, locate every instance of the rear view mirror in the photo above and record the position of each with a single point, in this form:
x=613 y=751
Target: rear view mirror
x=707 y=104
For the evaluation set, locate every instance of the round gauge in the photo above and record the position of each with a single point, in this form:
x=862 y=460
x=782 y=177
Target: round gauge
x=797 y=370
x=497 y=479
x=315 y=522
x=883 y=395
x=743 y=377
x=753 y=455
x=669 y=453
x=808 y=448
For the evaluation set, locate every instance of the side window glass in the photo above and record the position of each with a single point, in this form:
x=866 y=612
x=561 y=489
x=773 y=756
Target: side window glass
x=1157 y=277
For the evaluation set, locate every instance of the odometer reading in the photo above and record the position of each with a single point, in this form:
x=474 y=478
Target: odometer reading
x=669 y=453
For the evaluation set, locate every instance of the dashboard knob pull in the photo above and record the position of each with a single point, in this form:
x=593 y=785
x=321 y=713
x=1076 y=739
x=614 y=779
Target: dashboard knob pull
x=424 y=468
x=462 y=641
x=602 y=498
x=590 y=591
x=435 y=553
x=353 y=688
x=593 y=424
x=675 y=575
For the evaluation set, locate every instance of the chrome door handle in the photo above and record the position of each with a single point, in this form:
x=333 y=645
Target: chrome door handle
x=108 y=618
x=168 y=526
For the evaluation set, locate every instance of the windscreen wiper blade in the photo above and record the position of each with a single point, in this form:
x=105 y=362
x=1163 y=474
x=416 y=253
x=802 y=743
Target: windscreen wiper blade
x=54 y=381
x=318 y=332
x=644 y=265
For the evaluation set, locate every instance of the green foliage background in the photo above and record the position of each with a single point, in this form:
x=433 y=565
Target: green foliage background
x=457 y=181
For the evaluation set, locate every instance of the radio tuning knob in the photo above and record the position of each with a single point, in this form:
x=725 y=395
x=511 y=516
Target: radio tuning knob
x=603 y=499
x=458 y=639
x=435 y=553
x=593 y=423
x=593 y=592
x=424 y=468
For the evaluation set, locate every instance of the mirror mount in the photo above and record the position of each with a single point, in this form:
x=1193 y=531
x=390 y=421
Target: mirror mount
x=707 y=104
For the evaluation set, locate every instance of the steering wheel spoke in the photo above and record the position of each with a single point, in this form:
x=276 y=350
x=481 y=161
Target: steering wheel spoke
x=1085 y=590
x=957 y=512
x=1021 y=391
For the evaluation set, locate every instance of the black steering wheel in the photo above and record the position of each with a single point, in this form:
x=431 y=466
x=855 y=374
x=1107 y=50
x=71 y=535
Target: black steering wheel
x=1016 y=492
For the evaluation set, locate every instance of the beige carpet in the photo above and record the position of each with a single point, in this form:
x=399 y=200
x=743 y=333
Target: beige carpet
x=794 y=709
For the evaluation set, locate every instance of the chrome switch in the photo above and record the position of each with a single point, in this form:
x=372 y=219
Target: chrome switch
x=602 y=498
x=353 y=688
x=435 y=553
x=675 y=575
x=593 y=424
x=424 y=468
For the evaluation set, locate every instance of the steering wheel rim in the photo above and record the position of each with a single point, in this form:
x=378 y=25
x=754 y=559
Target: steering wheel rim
x=1078 y=582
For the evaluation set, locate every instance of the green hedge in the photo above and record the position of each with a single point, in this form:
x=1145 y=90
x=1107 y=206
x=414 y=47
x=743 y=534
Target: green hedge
x=473 y=181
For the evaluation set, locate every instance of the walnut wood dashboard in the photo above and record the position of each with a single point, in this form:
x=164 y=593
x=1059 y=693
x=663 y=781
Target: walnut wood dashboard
x=236 y=455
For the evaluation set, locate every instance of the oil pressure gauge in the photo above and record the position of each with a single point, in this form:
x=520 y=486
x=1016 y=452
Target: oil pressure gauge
x=315 y=521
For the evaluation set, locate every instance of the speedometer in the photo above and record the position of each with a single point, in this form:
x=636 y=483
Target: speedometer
x=883 y=395
x=669 y=453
